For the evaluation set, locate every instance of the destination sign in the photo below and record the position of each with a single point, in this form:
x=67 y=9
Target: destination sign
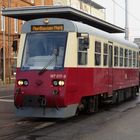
x=47 y=28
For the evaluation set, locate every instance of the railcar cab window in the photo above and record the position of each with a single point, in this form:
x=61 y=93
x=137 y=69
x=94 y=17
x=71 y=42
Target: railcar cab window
x=116 y=52
x=97 y=53
x=105 y=54
x=44 y=50
x=121 y=57
x=83 y=46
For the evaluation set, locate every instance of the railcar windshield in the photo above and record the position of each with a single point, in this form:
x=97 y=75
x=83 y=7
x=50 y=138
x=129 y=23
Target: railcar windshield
x=44 y=50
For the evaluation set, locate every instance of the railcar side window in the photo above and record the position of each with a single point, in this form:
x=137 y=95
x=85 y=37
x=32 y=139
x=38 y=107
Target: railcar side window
x=116 y=56
x=105 y=54
x=137 y=59
x=121 y=57
x=82 y=52
x=97 y=53
x=134 y=59
x=126 y=57
x=130 y=58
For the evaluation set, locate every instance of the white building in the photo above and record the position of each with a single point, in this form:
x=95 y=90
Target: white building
x=87 y=6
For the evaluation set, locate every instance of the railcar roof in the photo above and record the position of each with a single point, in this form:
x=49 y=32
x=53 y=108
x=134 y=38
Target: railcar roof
x=111 y=37
x=66 y=12
x=73 y=26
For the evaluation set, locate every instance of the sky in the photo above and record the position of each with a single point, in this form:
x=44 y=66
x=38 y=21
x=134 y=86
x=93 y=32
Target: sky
x=115 y=13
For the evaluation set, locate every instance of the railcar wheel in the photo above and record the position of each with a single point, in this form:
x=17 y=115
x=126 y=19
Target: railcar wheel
x=81 y=107
x=115 y=97
x=133 y=92
x=88 y=105
x=127 y=94
x=120 y=96
x=92 y=104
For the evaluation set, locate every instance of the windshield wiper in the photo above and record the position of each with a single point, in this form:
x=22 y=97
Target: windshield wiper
x=45 y=67
x=56 y=53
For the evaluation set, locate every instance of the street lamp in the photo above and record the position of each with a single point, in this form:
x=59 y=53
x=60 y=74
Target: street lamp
x=126 y=21
x=114 y=13
x=9 y=44
x=3 y=29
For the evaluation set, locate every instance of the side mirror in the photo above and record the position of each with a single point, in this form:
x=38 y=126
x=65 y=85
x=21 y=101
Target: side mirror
x=86 y=42
x=83 y=40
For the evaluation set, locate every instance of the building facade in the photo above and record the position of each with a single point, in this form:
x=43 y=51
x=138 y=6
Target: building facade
x=10 y=29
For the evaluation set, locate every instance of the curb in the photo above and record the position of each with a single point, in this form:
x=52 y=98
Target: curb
x=6 y=86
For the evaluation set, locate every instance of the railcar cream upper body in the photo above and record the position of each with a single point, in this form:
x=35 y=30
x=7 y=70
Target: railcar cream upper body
x=72 y=27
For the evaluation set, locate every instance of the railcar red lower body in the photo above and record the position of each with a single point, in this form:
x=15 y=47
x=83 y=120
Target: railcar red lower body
x=62 y=101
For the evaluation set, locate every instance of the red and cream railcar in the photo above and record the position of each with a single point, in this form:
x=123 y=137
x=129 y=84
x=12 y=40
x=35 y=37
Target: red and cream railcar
x=65 y=66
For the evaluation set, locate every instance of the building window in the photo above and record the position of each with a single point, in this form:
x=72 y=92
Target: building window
x=116 y=56
x=15 y=25
x=32 y=1
x=23 y=21
x=97 y=53
x=2 y=23
x=105 y=54
x=121 y=57
x=42 y=2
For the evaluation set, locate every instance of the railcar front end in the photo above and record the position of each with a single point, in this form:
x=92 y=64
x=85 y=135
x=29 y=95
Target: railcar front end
x=46 y=74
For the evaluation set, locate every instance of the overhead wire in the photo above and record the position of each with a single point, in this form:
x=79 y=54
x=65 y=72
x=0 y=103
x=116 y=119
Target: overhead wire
x=129 y=13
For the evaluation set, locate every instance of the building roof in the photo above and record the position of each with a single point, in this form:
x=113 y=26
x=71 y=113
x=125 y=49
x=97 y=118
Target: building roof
x=66 y=12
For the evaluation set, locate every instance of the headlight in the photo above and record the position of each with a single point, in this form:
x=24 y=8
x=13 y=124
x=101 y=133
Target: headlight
x=22 y=82
x=26 y=83
x=58 y=83
x=55 y=83
x=61 y=83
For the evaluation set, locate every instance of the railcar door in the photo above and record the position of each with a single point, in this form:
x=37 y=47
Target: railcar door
x=110 y=69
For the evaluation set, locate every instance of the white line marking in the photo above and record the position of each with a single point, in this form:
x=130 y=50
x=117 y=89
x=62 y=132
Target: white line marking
x=1 y=97
x=41 y=126
x=7 y=100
